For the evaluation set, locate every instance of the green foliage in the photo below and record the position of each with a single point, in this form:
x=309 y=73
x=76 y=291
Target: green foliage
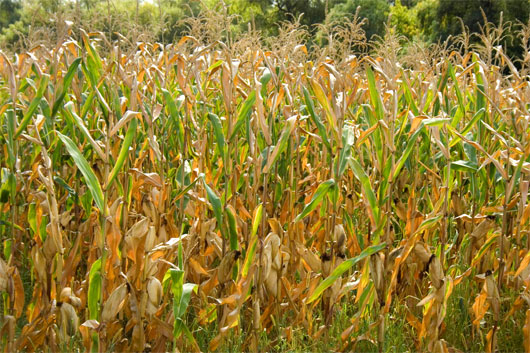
x=258 y=13
x=375 y=11
x=343 y=267
x=9 y=12
x=404 y=20
x=285 y=10
x=21 y=22
x=426 y=18
x=448 y=12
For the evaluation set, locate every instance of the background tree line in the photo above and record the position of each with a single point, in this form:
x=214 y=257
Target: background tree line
x=24 y=22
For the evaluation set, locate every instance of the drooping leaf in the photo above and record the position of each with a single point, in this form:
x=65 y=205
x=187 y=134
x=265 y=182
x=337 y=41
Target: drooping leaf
x=343 y=267
x=316 y=119
x=464 y=166
x=218 y=131
x=124 y=151
x=405 y=155
x=76 y=119
x=88 y=173
x=244 y=113
x=317 y=198
x=217 y=206
x=67 y=80
x=43 y=85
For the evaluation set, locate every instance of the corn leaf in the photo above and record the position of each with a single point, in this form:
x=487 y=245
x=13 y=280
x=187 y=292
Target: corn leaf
x=94 y=289
x=321 y=191
x=215 y=201
x=244 y=113
x=67 y=80
x=366 y=187
x=348 y=140
x=124 y=151
x=218 y=131
x=405 y=155
x=88 y=173
x=343 y=267
x=43 y=85
x=311 y=108
x=249 y=258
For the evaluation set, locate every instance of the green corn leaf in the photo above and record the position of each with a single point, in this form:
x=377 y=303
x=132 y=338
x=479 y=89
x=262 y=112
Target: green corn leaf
x=282 y=143
x=484 y=248
x=343 y=267
x=436 y=121
x=186 y=331
x=322 y=98
x=428 y=223
x=244 y=113
x=464 y=166
x=187 y=289
x=88 y=173
x=375 y=97
x=181 y=297
x=480 y=97
x=311 y=108
x=67 y=80
x=174 y=114
x=177 y=281
x=460 y=98
x=375 y=112
x=32 y=217
x=348 y=139
x=232 y=229
x=321 y=191
x=476 y=117
x=16 y=226
x=406 y=153
x=94 y=62
x=43 y=85
x=188 y=188
x=516 y=176
x=215 y=65
x=10 y=142
x=62 y=183
x=366 y=187
x=408 y=96
x=87 y=105
x=94 y=289
x=124 y=151
x=218 y=131
x=256 y=219
x=264 y=79
x=215 y=201
x=7 y=185
x=76 y=119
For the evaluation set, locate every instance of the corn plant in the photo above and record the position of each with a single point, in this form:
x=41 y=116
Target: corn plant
x=148 y=194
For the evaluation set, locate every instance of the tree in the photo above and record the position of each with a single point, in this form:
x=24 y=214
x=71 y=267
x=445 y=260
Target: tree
x=375 y=11
x=404 y=20
x=9 y=12
x=513 y=11
x=426 y=16
x=314 y=11
x=448 y=12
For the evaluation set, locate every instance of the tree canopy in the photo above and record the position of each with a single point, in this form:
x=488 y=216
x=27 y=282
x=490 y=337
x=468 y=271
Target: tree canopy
x=163 y=20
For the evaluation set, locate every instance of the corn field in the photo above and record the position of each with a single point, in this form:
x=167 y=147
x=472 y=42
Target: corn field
x=184 y=197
